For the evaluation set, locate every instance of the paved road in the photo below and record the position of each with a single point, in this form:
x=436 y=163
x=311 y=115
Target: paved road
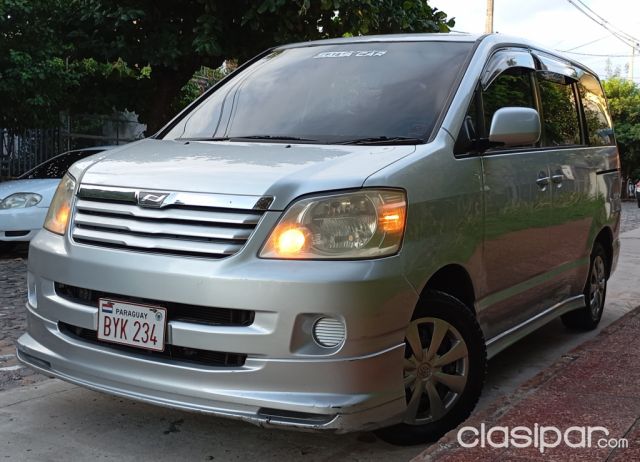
x=46 y=422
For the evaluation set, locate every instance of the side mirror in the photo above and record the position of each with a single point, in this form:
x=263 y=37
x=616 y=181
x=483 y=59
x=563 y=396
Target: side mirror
x=515 y=126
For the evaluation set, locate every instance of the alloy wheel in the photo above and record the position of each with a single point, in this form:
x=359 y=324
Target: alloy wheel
x=436 y=369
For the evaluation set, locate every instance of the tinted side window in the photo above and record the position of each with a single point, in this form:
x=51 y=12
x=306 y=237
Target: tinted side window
x=513 y=87
x=560 y=114
x=599 y=128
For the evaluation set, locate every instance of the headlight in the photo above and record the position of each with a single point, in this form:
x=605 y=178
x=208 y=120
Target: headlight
x=363 y=224
x=60 y=209
x=20 y=201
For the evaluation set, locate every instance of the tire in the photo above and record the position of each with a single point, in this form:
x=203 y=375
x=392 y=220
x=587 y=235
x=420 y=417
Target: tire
x=6 y=247
x=463 y=342
x=595 y=291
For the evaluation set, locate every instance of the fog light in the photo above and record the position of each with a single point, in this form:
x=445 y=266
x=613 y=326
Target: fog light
x=329 y=332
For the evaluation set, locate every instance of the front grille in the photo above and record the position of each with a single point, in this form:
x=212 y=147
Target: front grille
x=197 y=225
x=171 y=352
x=16 y=233
x=194 y=314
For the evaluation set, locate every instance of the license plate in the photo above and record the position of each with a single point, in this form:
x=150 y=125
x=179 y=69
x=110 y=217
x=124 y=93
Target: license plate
x=141 y=326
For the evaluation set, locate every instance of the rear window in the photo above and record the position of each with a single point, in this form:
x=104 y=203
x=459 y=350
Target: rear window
x=58 y=166
x=333 y=93
x=599 y=128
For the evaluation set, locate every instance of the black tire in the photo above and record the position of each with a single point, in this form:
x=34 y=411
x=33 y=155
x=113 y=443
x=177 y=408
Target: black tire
x=440 y=306
x=6 y=247
x=588 y=317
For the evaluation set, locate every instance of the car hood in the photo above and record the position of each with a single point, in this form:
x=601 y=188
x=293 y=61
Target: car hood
x=284 y=171
x=45 y=187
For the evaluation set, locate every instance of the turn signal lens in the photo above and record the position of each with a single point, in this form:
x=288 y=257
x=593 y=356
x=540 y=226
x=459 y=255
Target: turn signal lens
x=291 y=241
x=365 y=224
x=59 y=212
x=392 y=219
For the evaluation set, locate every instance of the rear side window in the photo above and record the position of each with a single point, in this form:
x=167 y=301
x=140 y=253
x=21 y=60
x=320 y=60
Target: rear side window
x=599 y=128
x=560 y=116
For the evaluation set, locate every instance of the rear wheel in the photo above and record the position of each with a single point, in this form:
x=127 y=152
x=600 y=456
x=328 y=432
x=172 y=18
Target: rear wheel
x=444 y=370
x=595 y=291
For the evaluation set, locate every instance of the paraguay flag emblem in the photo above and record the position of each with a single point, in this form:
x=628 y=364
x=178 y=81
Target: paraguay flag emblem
x=107 y=307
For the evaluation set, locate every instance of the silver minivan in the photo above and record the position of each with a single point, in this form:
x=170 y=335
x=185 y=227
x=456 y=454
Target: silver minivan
x=336 y=236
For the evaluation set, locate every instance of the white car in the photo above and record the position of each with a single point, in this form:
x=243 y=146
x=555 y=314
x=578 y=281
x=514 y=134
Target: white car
x=24 y=202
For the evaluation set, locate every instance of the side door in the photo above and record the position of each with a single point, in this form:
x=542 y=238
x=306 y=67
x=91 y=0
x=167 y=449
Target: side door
x=517 y=208
x=571 y=183
x=577 y=149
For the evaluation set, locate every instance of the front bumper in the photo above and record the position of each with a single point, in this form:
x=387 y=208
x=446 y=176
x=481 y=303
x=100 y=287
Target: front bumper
x=285 y=380
x=21 y=225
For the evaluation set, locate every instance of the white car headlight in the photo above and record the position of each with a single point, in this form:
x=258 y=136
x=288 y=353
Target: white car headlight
x=363 y=224
x=20 y=201
x=59 y=212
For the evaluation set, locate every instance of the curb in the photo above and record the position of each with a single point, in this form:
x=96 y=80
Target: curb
x=622 y=335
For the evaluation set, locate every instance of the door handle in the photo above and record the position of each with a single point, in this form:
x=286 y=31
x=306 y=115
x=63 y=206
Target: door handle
x=543 y=180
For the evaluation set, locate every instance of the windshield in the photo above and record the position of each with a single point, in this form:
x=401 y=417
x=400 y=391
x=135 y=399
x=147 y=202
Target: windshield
x=332 y=94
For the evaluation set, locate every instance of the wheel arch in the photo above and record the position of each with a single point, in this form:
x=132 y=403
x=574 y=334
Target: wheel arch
x=605 y=238
x=454 y=280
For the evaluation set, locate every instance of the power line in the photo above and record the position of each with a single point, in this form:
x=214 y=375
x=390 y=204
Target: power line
x=628 y=36
x=585 y=44
x=620 y=35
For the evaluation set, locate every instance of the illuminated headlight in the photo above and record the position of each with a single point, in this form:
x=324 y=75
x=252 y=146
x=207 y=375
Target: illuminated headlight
x=363 y=224
x=20 y=201
x=60 y=209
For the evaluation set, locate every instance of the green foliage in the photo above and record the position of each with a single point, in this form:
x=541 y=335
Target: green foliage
x=140 y=55
x=201 y=81
x=177 y=38
x=39 y=75
x=624 y=105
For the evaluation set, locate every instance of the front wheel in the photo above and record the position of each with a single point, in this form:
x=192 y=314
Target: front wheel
x=595 y=291
x=444 y=369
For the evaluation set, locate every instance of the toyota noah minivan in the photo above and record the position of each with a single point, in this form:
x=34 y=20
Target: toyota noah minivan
x=337 y=236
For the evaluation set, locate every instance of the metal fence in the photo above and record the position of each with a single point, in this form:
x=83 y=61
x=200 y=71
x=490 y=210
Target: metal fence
x=22 y=150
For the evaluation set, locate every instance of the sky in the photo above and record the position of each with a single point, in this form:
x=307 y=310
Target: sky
x=558 y=25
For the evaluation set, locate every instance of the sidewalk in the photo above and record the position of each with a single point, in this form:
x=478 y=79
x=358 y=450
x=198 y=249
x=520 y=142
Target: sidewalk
x=596 y=384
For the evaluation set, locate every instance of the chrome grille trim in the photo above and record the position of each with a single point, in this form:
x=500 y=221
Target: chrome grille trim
x=180 y=198
x=111 y=217
x=225 y=217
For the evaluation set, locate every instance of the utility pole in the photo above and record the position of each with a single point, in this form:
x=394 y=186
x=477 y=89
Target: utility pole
x=631 y=62
x=488 y=25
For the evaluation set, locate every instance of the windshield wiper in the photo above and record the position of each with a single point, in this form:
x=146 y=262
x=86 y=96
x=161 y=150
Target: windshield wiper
x=221 y=138
x=271 y=137
x=384 y=140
